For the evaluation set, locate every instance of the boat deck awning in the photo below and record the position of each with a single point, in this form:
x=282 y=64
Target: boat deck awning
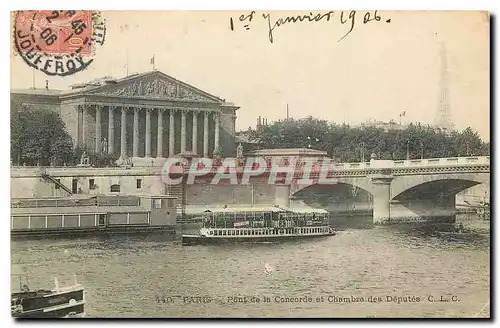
x=310 y=210
x=214 y=209
x=200 y=209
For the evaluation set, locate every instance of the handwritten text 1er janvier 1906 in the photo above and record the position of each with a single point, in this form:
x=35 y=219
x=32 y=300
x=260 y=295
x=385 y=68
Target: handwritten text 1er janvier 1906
x=349 y=19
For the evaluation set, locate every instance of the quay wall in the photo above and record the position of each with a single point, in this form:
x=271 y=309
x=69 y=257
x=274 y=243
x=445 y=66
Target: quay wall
x=259 y=192
x=27 y=183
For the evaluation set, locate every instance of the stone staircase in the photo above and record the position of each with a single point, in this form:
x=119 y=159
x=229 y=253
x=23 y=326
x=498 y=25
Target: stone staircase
x=49 y=178
x=175 y=190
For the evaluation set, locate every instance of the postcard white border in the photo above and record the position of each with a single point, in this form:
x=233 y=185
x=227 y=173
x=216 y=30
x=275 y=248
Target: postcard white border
x=8 y=6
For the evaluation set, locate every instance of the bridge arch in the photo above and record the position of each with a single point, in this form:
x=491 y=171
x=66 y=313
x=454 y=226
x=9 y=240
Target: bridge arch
x=339 y=197
x=362 y=183
x=418 y=186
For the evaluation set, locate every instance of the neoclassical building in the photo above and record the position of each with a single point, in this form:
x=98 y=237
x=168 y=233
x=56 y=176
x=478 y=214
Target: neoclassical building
x=148 y=115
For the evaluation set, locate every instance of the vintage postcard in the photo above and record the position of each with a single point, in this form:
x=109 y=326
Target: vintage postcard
x=250 y=164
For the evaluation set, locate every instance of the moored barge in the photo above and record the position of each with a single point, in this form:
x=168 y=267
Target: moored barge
x=93 y=215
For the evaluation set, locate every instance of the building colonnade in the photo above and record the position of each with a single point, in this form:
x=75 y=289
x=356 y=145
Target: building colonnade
x=97 y=147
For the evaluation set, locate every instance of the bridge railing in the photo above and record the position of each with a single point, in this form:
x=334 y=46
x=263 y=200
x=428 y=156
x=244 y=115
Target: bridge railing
x=470 y=160
x=179 y=169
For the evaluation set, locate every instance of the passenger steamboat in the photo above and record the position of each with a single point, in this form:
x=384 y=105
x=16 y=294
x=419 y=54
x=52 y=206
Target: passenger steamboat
x=60 y=302
x=257 y=226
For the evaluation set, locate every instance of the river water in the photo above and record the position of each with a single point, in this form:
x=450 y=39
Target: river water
x=363 y=271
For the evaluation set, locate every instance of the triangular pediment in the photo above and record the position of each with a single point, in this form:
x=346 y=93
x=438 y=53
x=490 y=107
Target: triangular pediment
x=153 y=85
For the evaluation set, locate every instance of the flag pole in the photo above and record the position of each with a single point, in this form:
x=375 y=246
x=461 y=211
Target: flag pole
x=126 y=59
x=124 y=28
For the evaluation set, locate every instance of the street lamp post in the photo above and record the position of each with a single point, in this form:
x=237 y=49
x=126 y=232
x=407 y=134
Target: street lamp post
x=408 y=149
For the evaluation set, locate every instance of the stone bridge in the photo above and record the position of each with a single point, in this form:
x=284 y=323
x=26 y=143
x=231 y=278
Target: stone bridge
x=403 y=189
x=396 y=189
x=400 y=190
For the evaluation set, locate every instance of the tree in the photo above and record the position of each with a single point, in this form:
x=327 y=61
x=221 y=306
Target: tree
x=39 y=137
x=350 y=144
x=468 y=143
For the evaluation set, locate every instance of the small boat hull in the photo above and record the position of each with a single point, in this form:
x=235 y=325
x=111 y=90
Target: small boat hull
x=68 y=311
x=189 y=240
x=48 y=304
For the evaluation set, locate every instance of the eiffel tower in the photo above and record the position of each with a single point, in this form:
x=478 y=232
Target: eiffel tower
x=443 y=118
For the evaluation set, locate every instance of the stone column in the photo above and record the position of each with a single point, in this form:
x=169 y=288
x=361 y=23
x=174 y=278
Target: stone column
x=123 y=137
x=183 y=131
x=205 y=135
x=135 y=141
x=217 y=128
x=98 y=129
x=381 y=199
x=195 y=132
x=84 y=127
x=148 y=133
x=171 y=137
x=111 y=130
x=79 y=135
x=159 y=144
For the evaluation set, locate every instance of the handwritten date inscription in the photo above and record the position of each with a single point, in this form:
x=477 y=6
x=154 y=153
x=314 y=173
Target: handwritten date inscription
x=349 y=19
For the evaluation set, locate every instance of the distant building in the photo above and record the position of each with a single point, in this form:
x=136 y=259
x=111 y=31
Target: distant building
x=261 y=122
x=140 y=116
x=245 y=139
x=386 y=126
x=289 y=153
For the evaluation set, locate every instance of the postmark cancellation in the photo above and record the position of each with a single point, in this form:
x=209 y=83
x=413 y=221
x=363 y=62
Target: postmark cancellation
x=58 y=42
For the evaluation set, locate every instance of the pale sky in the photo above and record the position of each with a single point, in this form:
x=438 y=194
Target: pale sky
x=379 y=70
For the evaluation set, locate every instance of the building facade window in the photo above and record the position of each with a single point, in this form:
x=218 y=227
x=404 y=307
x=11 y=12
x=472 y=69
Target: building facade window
x=139 y=183
x=115 y=188
x=91 y=184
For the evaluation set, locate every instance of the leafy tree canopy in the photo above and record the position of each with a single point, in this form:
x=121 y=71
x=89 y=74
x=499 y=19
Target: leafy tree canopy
x=39 y=137
x=351 y=144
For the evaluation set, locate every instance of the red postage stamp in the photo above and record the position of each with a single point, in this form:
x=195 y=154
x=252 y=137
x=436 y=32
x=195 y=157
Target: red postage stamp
x=58 y=42
x=58 y=31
